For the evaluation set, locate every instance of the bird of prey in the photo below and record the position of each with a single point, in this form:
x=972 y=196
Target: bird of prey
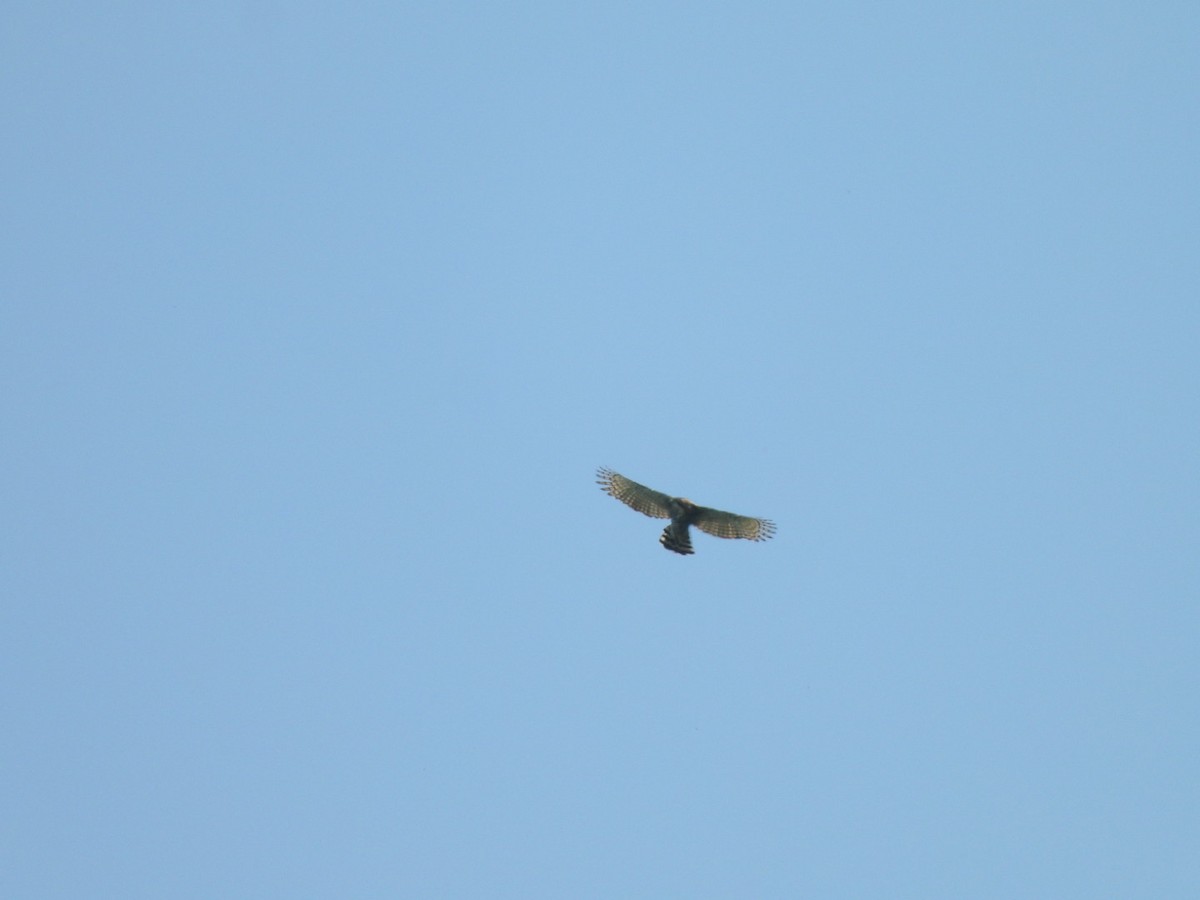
x=682 y=513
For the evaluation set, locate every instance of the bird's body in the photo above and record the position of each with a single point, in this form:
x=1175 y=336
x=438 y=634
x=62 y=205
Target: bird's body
x=683 y=513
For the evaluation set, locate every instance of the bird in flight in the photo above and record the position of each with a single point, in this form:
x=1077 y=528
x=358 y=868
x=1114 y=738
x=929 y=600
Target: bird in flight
x=682 y=513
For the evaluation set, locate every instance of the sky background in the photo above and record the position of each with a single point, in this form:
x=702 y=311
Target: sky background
x=317 y=320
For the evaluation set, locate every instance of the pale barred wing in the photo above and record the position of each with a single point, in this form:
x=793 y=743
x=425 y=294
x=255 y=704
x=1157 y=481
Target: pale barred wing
x=727 y=525
x=638 y=496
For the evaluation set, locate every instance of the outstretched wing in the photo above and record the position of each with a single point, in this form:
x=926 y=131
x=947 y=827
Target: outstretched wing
x=728 y=525
x=638 y=496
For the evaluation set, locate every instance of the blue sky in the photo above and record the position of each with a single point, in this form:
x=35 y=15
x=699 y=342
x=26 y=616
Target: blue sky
x=318 y=320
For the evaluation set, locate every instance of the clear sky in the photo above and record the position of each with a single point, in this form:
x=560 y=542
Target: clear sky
x=317 y=320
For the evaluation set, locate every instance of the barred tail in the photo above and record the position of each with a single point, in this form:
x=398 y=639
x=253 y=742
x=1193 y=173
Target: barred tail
x=677 y=539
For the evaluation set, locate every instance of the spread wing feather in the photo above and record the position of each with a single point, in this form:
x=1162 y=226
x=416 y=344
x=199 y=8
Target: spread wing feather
x=729 y=525
x=638 y=496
